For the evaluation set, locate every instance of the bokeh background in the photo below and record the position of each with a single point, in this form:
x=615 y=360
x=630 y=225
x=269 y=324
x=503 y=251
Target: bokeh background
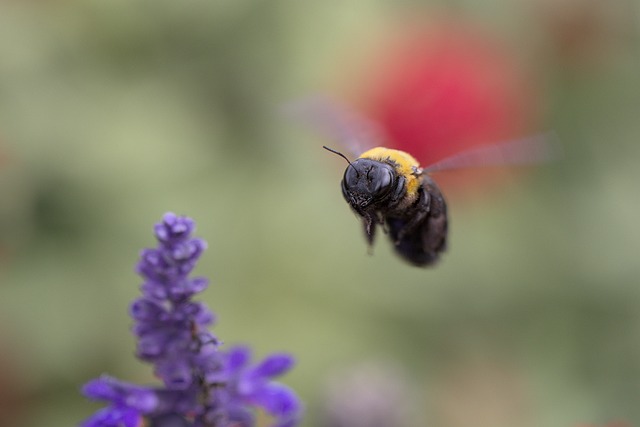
x=113 y=112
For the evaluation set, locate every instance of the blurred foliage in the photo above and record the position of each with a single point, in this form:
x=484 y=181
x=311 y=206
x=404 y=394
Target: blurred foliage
x=113 y=112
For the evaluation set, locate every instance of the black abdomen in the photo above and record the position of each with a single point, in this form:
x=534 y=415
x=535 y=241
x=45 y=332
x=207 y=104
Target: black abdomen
x=423 y=245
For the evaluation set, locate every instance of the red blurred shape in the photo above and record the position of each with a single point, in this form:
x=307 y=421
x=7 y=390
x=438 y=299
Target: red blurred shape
x=436 y=93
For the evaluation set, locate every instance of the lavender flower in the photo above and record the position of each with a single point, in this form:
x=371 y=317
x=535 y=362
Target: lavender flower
x=203 y=386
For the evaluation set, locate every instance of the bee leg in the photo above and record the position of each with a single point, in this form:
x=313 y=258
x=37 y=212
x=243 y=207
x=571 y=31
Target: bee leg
x=422 y=208
x=370 y=224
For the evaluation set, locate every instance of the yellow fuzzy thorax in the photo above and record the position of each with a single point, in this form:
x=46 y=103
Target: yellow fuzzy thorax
x=403 y=163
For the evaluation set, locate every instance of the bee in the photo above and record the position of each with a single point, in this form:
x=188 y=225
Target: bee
x=388 y=188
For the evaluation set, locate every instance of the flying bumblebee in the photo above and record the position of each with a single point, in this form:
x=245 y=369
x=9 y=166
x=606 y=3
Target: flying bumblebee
x=387 y=187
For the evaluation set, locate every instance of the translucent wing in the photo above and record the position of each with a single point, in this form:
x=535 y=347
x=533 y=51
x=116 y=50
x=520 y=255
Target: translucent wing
x=541 y=148
x=337 y=122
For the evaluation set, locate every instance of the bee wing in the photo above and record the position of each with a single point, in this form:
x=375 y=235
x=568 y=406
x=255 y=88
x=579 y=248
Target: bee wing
x=541 y=148
x=336 y=121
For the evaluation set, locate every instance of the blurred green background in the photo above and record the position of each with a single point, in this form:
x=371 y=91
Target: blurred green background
x=113 y=112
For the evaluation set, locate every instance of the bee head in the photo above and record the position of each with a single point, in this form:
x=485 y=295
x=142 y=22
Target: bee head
x=367 y=182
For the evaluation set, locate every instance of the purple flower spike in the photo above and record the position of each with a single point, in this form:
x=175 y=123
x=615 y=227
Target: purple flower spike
x=202 y=385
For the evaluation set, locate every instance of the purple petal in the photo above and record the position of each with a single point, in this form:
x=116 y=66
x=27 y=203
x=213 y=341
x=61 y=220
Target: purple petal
x=274 y=365
x=161 y=232
x=201 y=314
x=154 y=290
x=278 y=400
x=144 y=309
x=121 y=394
x=114 y=417
x=176 y=374
x=237 y=358
x=151 y=346
x=175 y=227
x=102 y=388
x=197 y=284
x=142 y=399
x=183 y=251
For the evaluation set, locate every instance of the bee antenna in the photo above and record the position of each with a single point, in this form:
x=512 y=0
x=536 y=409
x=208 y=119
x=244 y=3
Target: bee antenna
x=343 y=156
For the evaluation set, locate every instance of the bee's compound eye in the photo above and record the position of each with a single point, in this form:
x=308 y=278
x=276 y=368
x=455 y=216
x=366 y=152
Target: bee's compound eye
x=382 y=180
x=351 y=176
